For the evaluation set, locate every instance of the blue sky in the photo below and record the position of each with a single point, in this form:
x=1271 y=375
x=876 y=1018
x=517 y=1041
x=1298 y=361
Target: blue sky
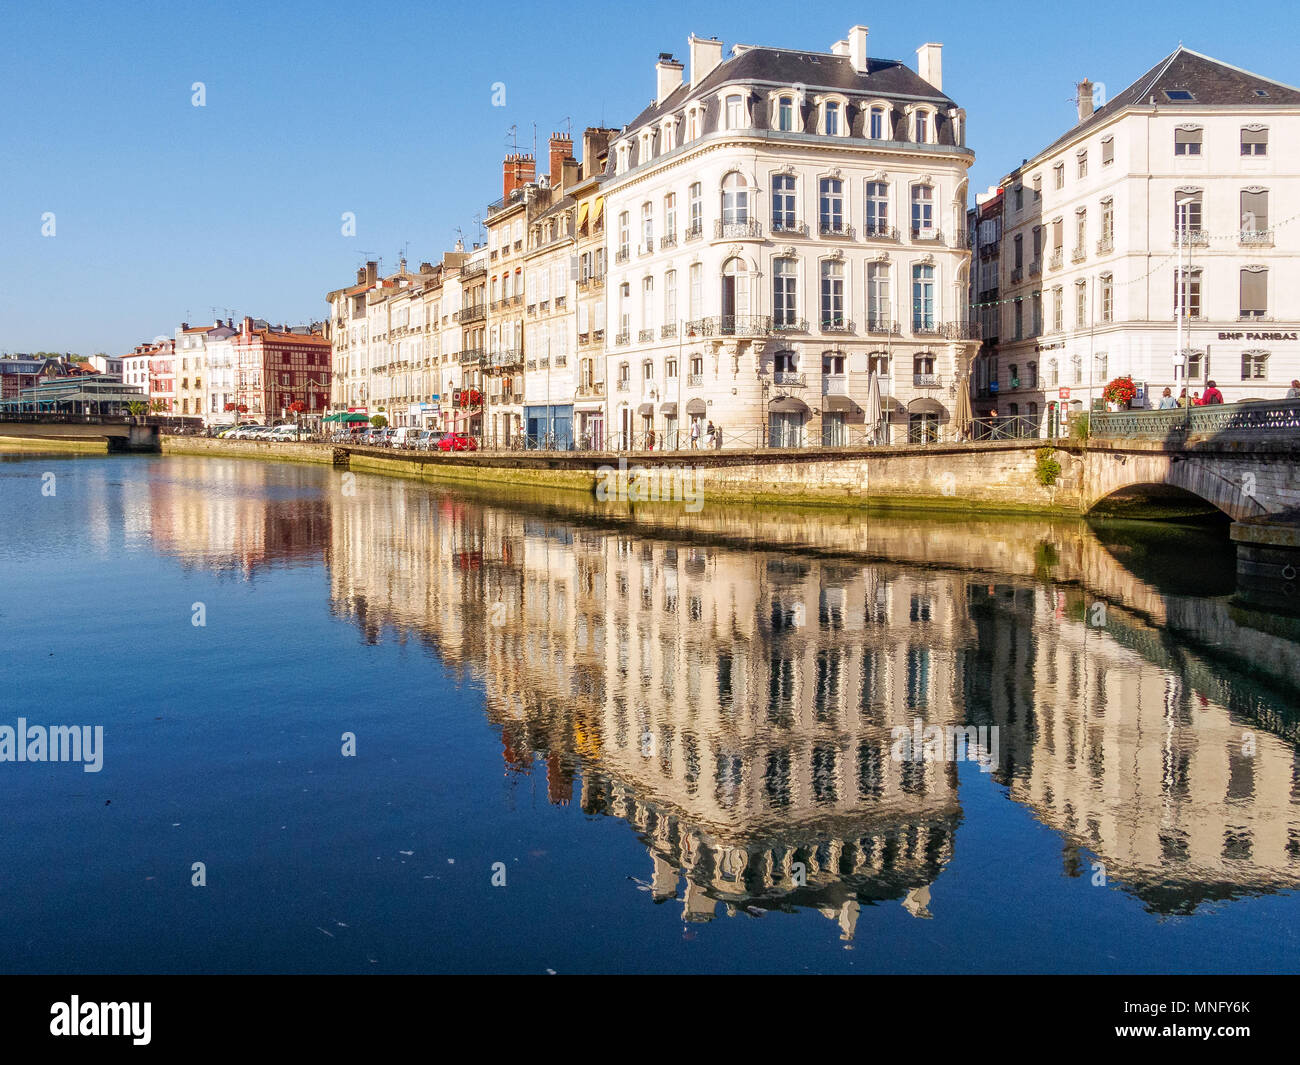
x=163 y=210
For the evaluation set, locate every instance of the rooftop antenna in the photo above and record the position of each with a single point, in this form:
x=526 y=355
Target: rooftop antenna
x=513 y=134
x=568 y=126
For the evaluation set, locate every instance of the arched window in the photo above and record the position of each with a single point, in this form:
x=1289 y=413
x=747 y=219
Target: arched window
x=922 y=212
x=647 y=228
x=735 y=295
x=785 y=293
x=735 y=199
x=878 y=125
x=734 y=108
x=878 y=363
x=786 y=117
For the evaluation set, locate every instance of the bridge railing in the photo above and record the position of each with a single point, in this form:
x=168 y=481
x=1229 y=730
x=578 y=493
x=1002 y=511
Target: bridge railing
x=1276 y=417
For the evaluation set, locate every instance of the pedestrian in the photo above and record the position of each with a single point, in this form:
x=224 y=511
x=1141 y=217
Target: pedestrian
x=695 y=433
x=708 y=436
x=717 y=436
x=1294 y=391
x=1167 y=401
x=1196 y=400
x=1212 y=394
x=1183 y=401
x=650 y=440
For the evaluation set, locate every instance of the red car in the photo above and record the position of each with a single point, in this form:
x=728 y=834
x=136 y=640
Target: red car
x=457 y=442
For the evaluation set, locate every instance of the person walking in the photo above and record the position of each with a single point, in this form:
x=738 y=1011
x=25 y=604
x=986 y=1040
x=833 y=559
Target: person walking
x=650 y=440
x=1212 y=394
x=1196 y=400
x=1294 y=391
x=708 y=436
x=1183 y=399
x=1167 y=401
x=695 y=433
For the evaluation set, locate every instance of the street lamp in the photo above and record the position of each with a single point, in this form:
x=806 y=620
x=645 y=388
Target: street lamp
x=1180 y=289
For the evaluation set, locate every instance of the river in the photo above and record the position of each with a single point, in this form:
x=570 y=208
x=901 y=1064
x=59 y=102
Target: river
x=359 y=724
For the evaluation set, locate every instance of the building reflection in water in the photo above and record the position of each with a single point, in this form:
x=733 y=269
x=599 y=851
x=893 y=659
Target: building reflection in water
x=734 y=701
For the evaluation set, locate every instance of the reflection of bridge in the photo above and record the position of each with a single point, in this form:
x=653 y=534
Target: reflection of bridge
x=123 y=433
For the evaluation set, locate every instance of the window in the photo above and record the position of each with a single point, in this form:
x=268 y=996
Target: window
x=648 y=303
x=1187 y=141
x=1254 y=292
x=785 y=292
x=670 y=368
x=1254 y=141
x=668 y=136
x=921 y=127
x=1080 y=304
x=692 y=124
x=1036 y=307
x=832 y=118
x=696 y=208
x=785 y=114
x=648 y=370
x=1038 y=243
x=1018 y=243
x=876 y=130
x=1058 y=309
x=785 y=216
x=1018 y=195
x=1013 y=371
x=1179 y=95
x=1080 y=229
x=1254 y=211
x=922 y=211
x=670 y=215
x=1053 y=373
x=647 y=227
x=830 y=209
x=1076 y=369
x=1058 y=236
x=1190 y=293
x=1187 y=213
x=833 y=363
x=696 y=289
x=1254 y=365
x=1108 y=221
x=1107 y=151
x=670 y=297
x=1031 y=375
x=1058 y=176
x=1082 y=160
x=624 y=314
x=1019 y=319
x=1107 y=285
x=922 y=297
x=735 y=291
x=832 y=294
x=735 y=199
x=735 y=109
x=624 y=234
x=1101 y=366
x=878 y=363
x=879 y=311
x=877 y=209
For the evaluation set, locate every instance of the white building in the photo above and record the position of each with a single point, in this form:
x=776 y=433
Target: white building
x=780 y=225
x=1195 y=157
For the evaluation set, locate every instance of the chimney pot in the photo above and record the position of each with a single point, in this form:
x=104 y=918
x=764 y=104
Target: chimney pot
x=706 y=55
x=858 y=49
x=929 y=64
x=1085 y=99
x=668 y=77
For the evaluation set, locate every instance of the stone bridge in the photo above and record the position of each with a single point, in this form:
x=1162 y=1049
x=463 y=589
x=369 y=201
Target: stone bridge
x=122 y=432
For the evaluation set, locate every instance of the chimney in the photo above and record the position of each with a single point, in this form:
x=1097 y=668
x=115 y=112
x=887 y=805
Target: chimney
x=230 y=323
x=1085 y=99
x=668 y=76
x=246 y=326
x=217 y=324
x=929 y=64
x=706 y=55
x=840 y=48
x=595 y=142
x=372 y=271
x=561 y=148
x=184 y=326
x=518 y=170
x=858 y=49
x=401 y=265
x=460 y=244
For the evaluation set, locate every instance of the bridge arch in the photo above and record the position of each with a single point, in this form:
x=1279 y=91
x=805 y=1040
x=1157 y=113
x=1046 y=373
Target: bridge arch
x=1121 y=480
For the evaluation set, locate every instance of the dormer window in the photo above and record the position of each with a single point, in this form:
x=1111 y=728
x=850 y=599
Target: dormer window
x=735 y=111
x=921 y=127
x=647 y=147
x=878 y=123
x=668 y=135
x=833 y=118
x=785 y=117
x=624 y=155
x=694 y=124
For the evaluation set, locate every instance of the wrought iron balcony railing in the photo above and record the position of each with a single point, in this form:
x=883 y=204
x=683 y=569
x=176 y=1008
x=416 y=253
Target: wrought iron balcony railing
x=750 y=229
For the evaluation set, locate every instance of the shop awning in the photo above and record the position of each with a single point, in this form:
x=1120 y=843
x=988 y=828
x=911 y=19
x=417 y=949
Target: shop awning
x=332 y=418
x=646 y=408
x=599 y=208
x=696 y=406
x=668 y=410
x=788 y=405
x=926 y=405
x=838 y=403
x=582 y=214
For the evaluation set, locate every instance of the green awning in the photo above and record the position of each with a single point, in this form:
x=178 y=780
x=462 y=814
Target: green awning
x=332 y=418
x=346 y=418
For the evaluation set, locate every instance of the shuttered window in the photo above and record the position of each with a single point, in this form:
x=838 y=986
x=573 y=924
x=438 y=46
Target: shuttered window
x=1254 y=293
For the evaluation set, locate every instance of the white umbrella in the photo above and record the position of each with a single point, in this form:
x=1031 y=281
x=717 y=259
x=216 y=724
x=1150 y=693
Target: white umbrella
x=874 y=414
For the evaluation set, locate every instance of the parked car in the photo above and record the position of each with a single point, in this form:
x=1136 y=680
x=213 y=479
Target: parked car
x=286 y=432
x=457 y=442
x=427 y=439
x=405 y=436
x=245 y=430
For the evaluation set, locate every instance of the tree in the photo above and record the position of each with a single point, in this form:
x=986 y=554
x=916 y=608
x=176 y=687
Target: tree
x=378 y=421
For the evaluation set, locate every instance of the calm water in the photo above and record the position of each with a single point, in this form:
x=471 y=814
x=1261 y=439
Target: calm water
x=674 y=736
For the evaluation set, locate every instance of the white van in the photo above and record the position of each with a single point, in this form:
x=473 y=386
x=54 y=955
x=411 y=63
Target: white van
x=405 y=436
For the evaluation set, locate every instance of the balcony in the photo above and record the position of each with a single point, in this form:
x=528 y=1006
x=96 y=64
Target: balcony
x=789 y=379
x=961 y=331
x=1078 y=255
x=591 y=283
x=667 y=331
x=927 y=235
x=789 y=325
x=1036 y=268
x=469 y=356
x=925 y=328
x=511 y=359
x=747 y=230
x=475 y=313
x=591 y=388
x=584 y=339
x=695 y=380
x=645 y=336
x=788 y=228
x=1017 y=274
x=1190 y=236
x=960 y=241
x=623 y=385
x=668 y=241
x=1256 y=238
x=836 y=324
x=730 y=325
x=468 y=271
x=835 y=385
x=622 y=340
x=835 y=229
x=693 y=232
x=531 y=310
x=927 y=380
x=1105 y=246
x=873 y=231
x=881 y=327
x=648 y=248
x=622 y=255
x=1056 y=259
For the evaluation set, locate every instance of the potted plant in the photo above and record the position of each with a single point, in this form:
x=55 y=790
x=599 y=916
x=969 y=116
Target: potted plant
x=1119 y=393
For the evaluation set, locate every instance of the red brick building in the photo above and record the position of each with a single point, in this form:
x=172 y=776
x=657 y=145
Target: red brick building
x=277 y=367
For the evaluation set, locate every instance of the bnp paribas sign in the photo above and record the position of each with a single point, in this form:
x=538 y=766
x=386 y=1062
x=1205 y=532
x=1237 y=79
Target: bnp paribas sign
x=1258 y=336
